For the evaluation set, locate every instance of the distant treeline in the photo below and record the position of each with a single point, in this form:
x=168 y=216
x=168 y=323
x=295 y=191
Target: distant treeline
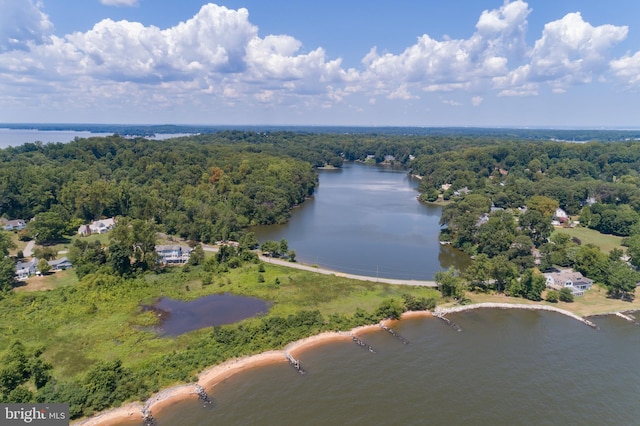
x=569 y=135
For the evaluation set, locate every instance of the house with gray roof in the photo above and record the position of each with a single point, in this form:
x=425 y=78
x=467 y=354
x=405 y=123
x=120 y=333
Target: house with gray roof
x=13 y=225
x=568 y=278
x=25 y=269
x=60 y=264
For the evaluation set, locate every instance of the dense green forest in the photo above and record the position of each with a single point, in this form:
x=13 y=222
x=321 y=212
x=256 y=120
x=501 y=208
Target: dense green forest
x=201 y=191
x=90 y=344
x=210 y=187
x=505 y=196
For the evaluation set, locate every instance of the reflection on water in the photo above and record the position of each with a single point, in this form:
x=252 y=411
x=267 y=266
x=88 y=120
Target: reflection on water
x=450 y=256
x=367 y=220
x=178 y=317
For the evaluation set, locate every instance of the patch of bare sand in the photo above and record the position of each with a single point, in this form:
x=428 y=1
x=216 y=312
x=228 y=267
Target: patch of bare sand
x=127 y=414
x=297 y=347
x=211 y=377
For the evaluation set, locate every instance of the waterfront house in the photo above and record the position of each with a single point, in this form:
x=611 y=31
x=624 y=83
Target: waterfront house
x=484 y=218
x=60 y=264
x=568 y=278
x=173 y=254
x=461 y=191
x=25 y=269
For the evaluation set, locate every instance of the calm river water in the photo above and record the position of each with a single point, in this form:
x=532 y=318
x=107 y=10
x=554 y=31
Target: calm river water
x=367 y=220
x=507 y=367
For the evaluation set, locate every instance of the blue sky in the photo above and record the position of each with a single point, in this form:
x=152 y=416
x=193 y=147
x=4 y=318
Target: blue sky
x=561 y=63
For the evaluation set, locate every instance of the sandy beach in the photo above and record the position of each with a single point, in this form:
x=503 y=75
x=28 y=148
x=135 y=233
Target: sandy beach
x=129 y=413
x=444 y=311
x=211 y=377
x=132 y=413
x=299 y=346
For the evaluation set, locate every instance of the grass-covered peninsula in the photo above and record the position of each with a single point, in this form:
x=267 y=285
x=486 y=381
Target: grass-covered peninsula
x=91 y=344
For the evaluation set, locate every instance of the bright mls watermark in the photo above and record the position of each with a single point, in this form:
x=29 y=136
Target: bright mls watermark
x=34 y=414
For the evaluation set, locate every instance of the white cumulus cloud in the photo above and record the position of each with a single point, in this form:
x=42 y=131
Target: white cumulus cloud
x=570 y=51
x=22 y=23
x=218 y=57
x=439 y=65
x=476 y=100
x=627 y=69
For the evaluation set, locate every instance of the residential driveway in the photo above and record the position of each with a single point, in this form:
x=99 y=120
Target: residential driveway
x=28 y=250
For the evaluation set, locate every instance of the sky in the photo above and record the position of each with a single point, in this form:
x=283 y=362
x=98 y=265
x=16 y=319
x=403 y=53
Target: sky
x=481 y=63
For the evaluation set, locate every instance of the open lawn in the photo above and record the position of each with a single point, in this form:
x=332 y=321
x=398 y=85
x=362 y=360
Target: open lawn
x=49 y=282
x=20 y=245
x=590 y=236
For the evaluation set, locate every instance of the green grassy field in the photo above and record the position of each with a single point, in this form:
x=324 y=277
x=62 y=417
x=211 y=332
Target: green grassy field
x=101 y=318
x=590 y=236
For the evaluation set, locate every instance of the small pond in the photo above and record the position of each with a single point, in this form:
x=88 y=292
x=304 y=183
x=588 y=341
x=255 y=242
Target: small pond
x=178 y=317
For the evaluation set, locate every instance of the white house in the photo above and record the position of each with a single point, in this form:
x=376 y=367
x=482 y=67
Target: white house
x=13 y=225
x=569 y=279
x=172 y=254
x=25 y=269
x=97 y=227
x=560 y=216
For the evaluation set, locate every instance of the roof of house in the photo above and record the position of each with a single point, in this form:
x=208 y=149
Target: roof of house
x=173 y=247
x=60 y=261
x=568 y=275
x=109 y=222
x=28 y=264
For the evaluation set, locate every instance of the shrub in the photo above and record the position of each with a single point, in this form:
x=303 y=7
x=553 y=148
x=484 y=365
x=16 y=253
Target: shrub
x=552 y=296
x=566 y=295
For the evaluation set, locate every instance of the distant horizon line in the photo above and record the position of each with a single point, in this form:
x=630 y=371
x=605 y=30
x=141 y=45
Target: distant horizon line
x=22 y=125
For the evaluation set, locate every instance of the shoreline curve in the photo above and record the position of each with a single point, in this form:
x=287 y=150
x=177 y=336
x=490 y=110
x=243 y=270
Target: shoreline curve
x=444 y=311
x=133 y=412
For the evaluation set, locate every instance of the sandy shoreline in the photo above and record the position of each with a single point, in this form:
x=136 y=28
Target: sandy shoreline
x=132 y=412
x=219 y=373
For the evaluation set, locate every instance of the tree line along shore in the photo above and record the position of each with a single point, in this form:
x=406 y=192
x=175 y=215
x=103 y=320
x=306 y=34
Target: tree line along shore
x=92 y=345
